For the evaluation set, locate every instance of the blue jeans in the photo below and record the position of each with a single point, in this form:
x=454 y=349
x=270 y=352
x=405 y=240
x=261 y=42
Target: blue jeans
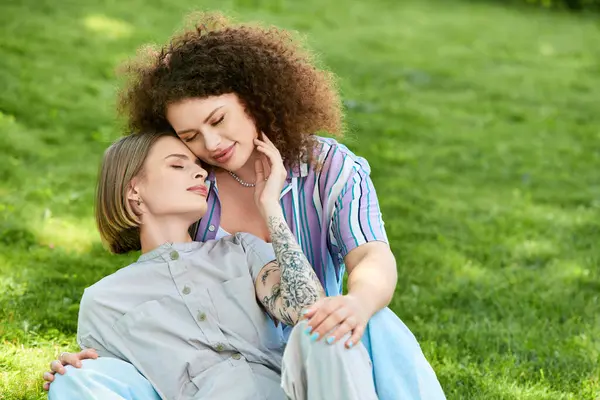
x=104 y=378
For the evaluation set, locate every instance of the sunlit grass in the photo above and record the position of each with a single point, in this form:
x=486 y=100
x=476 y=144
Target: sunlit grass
x=109 y=27
x=74 y=235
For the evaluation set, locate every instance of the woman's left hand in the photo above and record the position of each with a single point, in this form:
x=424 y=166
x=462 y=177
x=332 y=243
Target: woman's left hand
x=270 y=174
x=331 y=318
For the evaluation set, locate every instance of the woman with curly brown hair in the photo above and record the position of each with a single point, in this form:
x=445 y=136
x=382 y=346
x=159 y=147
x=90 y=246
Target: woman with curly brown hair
x=220 y=86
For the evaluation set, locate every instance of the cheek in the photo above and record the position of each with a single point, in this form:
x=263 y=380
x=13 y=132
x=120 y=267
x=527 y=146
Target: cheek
x=244 y=129
x=163 y=190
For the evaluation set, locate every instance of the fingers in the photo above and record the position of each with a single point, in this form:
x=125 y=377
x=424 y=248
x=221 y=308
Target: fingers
x=48 y=376
x=259 y=170
x=88 y=353
x=266 y=166
x=323 y=312
x=73 y=359
x=267 y=145
x=269 y=150
x=56 y=366
x=332 y=319
x=310 y=312
x=266 y=139
x=356 y=336
x=343 y=329
x=272 y=163
x=337 y=317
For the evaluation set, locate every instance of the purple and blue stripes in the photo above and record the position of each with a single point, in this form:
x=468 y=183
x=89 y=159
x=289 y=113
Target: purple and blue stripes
x=331 y=210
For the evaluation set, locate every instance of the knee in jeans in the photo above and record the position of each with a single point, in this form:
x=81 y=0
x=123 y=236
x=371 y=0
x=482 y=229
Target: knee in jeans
x=65 y=383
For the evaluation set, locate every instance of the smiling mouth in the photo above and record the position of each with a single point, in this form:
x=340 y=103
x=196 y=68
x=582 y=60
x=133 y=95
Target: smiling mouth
x=224 y=155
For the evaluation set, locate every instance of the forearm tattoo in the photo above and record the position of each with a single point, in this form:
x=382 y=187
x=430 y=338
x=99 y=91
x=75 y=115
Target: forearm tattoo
x=300 y=287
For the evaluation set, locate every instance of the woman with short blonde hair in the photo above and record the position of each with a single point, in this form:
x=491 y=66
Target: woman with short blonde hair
x=192 y=316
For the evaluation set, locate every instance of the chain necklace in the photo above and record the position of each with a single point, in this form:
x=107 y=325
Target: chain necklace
x=240 y=181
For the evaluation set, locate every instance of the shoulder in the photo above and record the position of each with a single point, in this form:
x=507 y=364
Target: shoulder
x=258 y=252
x=228 y=244
x=254 y=244
x=241 y=243
x=109 y=291
x=335 y=168
x=331 y=155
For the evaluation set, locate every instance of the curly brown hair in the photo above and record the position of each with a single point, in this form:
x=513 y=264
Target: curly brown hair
x=273 y=74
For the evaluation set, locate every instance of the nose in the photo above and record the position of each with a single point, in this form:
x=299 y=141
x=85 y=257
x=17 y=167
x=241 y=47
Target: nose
x=212 y=140
x=200 y=173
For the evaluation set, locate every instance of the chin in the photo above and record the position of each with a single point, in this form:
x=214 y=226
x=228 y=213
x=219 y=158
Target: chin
x=239 y=162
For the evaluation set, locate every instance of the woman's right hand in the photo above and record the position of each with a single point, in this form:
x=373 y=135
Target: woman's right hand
x=270 y=175
x=73 y=359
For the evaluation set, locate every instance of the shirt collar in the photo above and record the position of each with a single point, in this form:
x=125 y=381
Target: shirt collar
x=166 y=248
x=300 y=170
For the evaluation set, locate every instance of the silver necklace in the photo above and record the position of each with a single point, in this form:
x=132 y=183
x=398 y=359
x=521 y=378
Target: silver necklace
x=240 y=181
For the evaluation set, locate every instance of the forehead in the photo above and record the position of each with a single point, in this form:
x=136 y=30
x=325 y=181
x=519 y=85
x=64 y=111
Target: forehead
x=168 y=145
x=197 y=107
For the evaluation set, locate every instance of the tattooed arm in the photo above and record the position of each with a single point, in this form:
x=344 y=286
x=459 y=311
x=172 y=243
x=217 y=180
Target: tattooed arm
x=289 y=285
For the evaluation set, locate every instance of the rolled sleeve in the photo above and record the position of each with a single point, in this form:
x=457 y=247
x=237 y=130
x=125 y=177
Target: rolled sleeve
x=357 y=217
x=258 y=252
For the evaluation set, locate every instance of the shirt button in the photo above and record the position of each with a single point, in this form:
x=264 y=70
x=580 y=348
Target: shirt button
x=186 y=290
x=174 y=255
x=220 y=347
x=201 y=316
x=236 y=356
x=211 y=228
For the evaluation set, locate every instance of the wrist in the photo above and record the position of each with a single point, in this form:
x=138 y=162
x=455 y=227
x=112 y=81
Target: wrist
x=366 y=301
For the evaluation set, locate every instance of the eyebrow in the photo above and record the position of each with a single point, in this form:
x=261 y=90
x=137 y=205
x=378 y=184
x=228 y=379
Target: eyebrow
x=184 y=157
x=205 y=121
x=181 y=156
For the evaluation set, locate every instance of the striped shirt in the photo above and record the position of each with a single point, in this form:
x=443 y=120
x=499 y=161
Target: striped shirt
x=331 y=210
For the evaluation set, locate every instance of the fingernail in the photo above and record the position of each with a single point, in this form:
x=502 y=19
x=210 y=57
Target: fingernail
x=308 y=330
x=330 y=339
x=350 y=344
x=304 y=312
x=314 y=337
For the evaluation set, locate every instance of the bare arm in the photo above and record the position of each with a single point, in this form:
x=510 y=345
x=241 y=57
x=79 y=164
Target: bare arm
x=289 y=285
x=372 y=275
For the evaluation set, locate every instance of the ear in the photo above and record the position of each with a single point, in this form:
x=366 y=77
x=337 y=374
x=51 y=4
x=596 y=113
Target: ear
x=133 y=193
x=134 y=197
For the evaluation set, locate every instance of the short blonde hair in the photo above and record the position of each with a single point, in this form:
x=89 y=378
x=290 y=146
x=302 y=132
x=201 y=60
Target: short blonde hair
x=117 y=223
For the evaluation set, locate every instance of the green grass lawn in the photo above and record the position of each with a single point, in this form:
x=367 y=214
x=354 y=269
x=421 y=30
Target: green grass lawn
x=482 y=128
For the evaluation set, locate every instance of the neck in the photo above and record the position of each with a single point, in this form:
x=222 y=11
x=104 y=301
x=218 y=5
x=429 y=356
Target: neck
x=247 y=172
x=156 y=231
